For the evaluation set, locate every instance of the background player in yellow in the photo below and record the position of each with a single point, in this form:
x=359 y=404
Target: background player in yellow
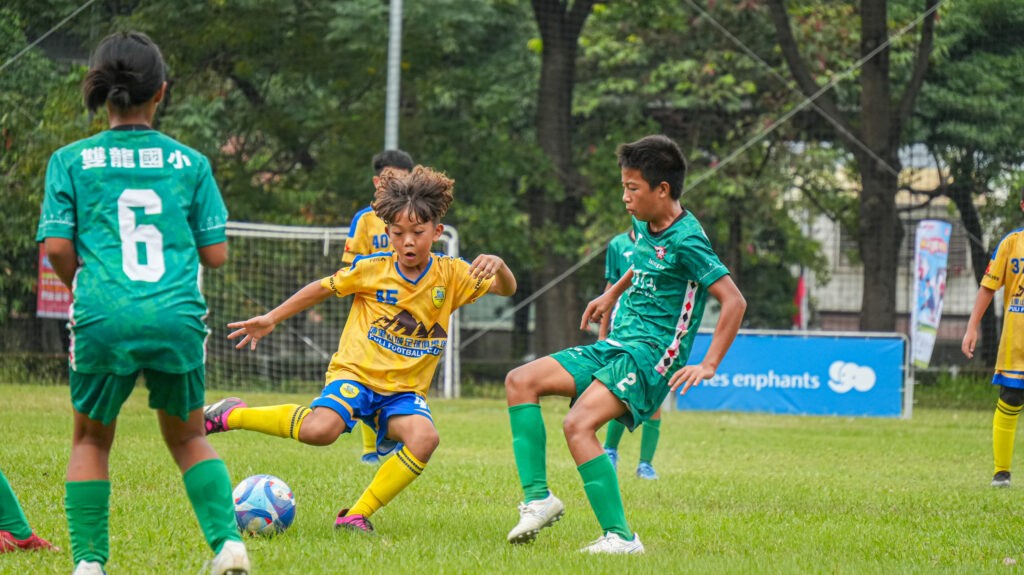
x=389 y=349
x=367 y=235
x=1005 y=270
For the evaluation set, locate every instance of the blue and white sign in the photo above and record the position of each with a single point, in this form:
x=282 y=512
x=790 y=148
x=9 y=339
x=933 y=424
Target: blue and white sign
x=805 y=373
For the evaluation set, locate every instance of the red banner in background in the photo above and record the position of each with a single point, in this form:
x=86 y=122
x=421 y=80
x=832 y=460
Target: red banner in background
x=53 y=298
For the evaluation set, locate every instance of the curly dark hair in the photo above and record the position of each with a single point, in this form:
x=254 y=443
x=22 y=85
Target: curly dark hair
x=422 y=193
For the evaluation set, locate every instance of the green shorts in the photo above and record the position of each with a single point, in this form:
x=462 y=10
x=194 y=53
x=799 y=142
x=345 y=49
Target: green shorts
x=625 y=368
x=101 y=395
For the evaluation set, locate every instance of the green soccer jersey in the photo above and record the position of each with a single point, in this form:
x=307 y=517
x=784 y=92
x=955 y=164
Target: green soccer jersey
x=671 y=274
x=616 y=259
x=137 y=205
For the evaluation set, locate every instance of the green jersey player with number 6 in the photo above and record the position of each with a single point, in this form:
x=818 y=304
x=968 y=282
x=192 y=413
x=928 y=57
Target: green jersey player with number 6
x=127 y=217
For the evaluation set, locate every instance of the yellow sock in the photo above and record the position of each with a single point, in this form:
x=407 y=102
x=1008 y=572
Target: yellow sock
x=369 y=439
x=278 y=420
x=395 y=475
x=1004 y=429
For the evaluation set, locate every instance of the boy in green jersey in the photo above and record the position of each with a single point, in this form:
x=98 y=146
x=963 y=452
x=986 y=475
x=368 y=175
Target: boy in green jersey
x=616 y=262
x=127 y=217
x=628 y=375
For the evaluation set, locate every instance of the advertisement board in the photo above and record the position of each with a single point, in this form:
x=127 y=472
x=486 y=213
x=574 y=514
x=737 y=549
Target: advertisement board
x=807 y=373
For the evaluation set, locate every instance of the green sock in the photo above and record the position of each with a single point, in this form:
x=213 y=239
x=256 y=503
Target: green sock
x=209 y=489
x=649 y=440
x=614 y=435
x=529 y=444
x=602 y=488
x=12 y=518
x=87 y=506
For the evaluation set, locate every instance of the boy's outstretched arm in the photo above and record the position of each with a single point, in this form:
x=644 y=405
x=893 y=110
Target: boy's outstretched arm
x=259 y=327
x=486 y=266
x=981 y=303
x=733 y=307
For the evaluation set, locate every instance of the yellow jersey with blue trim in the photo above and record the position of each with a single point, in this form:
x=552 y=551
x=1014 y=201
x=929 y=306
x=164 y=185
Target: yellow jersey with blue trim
x=1006 y=270
x=398 y=326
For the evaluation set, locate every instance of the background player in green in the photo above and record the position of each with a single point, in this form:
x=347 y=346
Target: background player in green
x=128 y=215
x=616 y=262
x=368 y=234
x=15 y=532
x=1005 y=270
x=628 y=375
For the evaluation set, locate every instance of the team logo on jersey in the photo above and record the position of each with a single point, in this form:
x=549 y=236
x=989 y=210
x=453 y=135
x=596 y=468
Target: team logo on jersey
x=404 y=335
x=349 y=391
x=660 y=252
x=437 y=296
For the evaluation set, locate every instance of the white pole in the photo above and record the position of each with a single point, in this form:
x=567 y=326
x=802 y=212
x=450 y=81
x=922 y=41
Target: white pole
x=394 y=76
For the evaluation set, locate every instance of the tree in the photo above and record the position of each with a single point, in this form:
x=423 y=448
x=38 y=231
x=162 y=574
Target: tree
x=969 y=117
x=872 y=133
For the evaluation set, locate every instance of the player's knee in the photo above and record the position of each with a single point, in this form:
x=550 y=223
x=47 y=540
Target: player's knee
x=316 y=432
x=517 y=381
x=576 y=425
x=1012 y=396
x=424 y=444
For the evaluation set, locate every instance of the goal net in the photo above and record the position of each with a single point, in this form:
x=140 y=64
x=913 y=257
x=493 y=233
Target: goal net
x=267 y=264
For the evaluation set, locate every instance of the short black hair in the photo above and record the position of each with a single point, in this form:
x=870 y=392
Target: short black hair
x=126 y=69
x=392 y=159
x=658 y=158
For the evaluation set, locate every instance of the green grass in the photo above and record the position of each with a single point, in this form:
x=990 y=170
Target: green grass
x=738 y=493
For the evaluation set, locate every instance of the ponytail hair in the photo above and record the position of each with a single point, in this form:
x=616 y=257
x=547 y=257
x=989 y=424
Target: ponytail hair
x=126 y=69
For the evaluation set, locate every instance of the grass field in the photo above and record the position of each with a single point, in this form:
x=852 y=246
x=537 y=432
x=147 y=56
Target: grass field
x=738 y=494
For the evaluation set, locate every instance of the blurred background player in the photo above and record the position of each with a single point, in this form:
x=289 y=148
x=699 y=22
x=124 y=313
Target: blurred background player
x=367 y=234
x=616 y=262
x=1006 y=269
x=15 y=532
x=389 y=349
x=127 y=217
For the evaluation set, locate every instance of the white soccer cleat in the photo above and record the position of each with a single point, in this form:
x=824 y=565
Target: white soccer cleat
x=613 y=543
x=88 y=568
x=534 y=516
x=232 y=560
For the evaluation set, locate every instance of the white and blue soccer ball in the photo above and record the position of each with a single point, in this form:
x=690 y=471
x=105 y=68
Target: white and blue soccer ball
x=264 y=505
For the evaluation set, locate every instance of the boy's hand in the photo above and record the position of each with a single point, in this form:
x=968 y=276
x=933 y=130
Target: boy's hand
x=485 y=266
x=253 y=329
x=970 y=340
x=690 y=376
x=598 y=309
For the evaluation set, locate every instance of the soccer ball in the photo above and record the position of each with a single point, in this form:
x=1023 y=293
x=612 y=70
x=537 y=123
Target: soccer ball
x=264 y=505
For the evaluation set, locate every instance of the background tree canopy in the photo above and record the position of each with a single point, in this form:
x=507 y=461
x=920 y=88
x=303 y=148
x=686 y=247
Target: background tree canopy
x=523 y=104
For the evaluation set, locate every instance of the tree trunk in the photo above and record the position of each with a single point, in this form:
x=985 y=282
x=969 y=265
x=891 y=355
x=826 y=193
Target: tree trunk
x=559 y=309
x=879 y=237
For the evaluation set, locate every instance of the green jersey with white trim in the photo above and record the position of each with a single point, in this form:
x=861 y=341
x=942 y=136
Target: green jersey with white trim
x=665 y=303
x=137 y=205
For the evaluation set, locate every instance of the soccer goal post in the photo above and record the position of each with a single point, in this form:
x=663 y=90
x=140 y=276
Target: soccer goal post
x=267 y=264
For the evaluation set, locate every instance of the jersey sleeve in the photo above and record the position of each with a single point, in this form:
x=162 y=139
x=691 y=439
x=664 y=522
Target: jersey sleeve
x=995 y=273
x=702 y=261
x=57 y=218
x=349 y=279
x=466 y=288
x=358 y=241
x=611 y=261
x=208 y=216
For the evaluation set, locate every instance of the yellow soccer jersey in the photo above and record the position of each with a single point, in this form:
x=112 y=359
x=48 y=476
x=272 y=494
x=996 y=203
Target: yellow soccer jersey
x=398 y=326
x=367 y=234
x=1006 y=269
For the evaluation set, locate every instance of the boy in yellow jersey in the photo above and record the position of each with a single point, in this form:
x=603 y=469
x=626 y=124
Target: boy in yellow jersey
x=389 y=349
x=1006 y=269
x=367 y=235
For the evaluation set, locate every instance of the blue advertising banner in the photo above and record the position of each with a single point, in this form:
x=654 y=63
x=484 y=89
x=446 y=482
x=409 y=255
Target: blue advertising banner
x=805 y=373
